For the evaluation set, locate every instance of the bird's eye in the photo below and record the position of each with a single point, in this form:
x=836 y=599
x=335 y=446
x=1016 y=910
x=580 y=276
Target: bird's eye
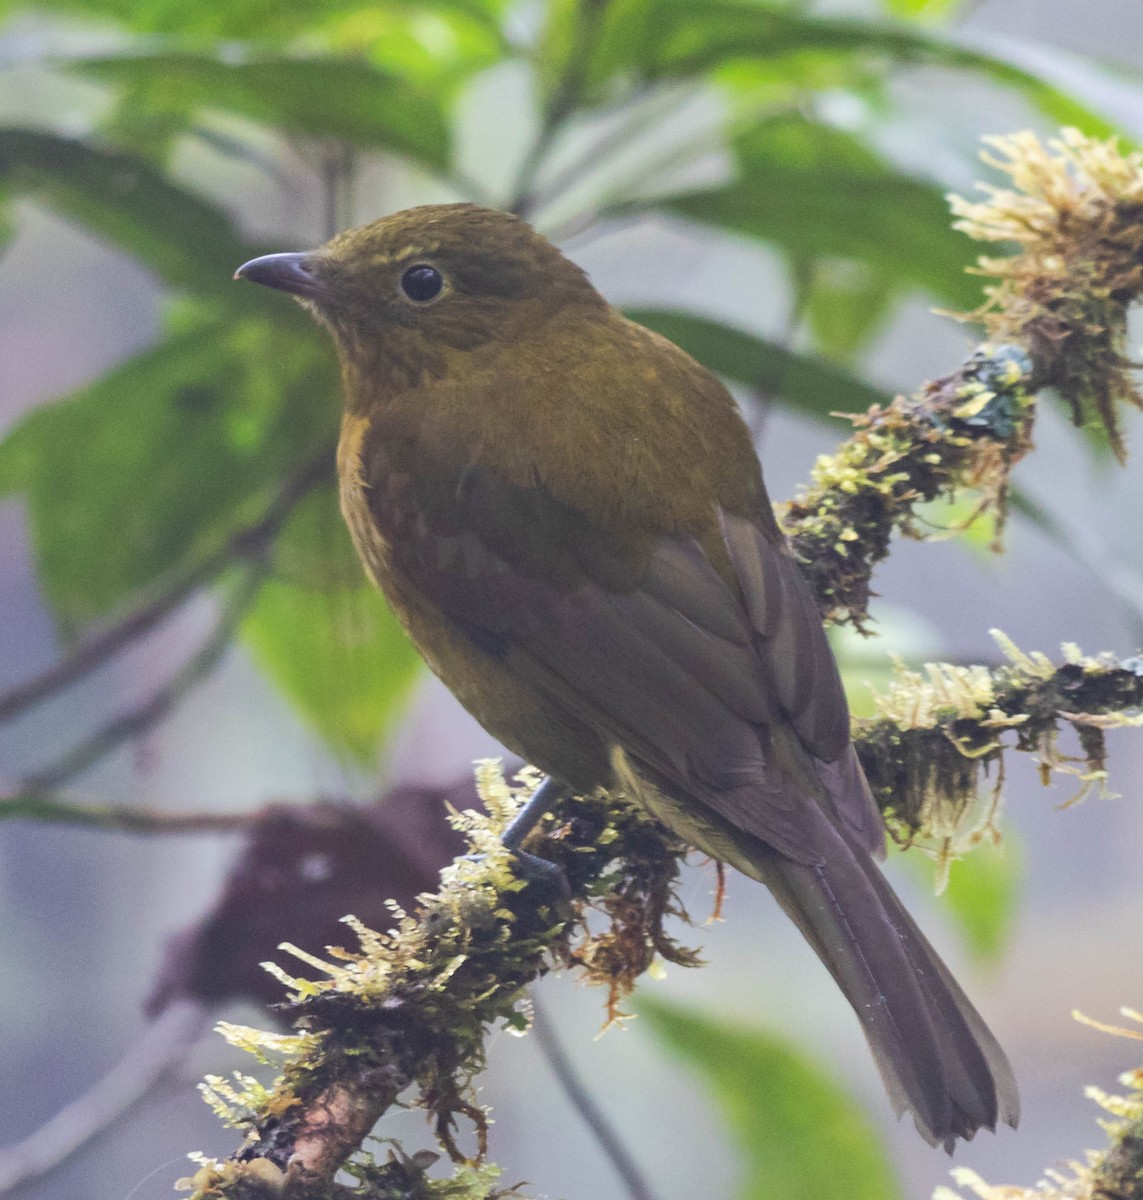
x=422 y=283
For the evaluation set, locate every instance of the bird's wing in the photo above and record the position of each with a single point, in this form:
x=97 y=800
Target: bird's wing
x=640 y=638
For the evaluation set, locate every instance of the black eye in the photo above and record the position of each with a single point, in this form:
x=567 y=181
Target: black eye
x=421 y=282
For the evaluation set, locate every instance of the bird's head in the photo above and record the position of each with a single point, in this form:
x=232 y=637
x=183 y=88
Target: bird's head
x=409 y=293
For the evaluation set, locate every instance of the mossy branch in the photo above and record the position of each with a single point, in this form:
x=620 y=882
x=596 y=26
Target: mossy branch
x=412 y=1007
x=1056 y=318
x=942 y=732
x=407 y=1014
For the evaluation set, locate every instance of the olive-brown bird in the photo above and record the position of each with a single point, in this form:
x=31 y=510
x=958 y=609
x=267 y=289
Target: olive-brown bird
x=567 y=513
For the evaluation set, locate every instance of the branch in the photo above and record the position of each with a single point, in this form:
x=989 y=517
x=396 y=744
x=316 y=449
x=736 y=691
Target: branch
x=97 y=647
x=157 y=1055
x=1059 y=311
x=116 y=818
x=940 y=732
x=581 y=1099
x=161 y=702
x=411 y=1009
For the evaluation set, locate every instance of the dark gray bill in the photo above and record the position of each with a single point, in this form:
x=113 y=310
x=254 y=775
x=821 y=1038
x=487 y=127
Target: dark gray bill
x=286 y=272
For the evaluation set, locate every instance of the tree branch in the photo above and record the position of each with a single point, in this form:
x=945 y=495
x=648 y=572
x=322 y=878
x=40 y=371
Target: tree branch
x=162 y=701
x=48 y=809
x=581 y=1099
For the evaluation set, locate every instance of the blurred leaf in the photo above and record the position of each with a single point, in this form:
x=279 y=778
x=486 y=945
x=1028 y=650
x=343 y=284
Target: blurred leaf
x=335 y=97
x=188 y=241
x=439 y=48
x=800 y=1135
x=982 y=894
x=807 y=384
x=660 y=39
x=325 y=636
x=847 y=306
x=921 y=8
x=959 y=519
x=165 y=456
x=820 y=192
x=261 y=19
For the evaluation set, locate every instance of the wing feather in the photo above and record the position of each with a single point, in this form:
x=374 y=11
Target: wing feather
x=643 y=640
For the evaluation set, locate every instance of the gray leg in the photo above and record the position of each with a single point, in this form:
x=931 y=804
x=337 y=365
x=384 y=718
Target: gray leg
x=542 y=801
x=531 y=866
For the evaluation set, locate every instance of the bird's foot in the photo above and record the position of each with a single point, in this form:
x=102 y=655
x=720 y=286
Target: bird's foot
x=542 y=871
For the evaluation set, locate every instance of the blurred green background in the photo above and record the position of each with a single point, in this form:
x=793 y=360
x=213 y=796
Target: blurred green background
x=764 y=182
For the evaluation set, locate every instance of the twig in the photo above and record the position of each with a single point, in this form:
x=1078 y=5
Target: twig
x=338 y=171
x=584 y=1103
x=161 y=702
x=643 y=109
x=942 y=730
x=162 y=1048
x=560 y=105
x=96 y=648
x=49 y=809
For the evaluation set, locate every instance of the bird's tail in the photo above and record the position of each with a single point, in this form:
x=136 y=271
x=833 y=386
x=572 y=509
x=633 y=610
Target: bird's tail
x=937 y=1057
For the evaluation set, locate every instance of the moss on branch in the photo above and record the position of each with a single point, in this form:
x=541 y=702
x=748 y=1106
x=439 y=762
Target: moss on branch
x=1056 y=316
x=965 y=430
x=941 y=735
x=408 y=1012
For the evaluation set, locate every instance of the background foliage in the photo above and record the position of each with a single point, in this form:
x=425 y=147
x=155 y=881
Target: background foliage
x=192 y=476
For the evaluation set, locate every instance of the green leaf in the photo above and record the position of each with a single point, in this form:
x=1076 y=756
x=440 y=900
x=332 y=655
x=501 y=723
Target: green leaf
x=819 y=192
x=439 y=47
x=809 y=385
x=261 y=19
x=188 y=241
x=660 y=39
x=327 y=638
x=928 y=9
x=847 y=305
x=982 y=894
x=333 y=97
x=166 y=456
x=800 y=1135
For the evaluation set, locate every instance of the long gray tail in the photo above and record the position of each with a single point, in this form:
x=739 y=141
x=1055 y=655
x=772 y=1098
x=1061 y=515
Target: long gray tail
x=937 y=1057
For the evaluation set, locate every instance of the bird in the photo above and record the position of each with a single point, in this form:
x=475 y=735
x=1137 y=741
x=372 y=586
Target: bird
x=567 y=514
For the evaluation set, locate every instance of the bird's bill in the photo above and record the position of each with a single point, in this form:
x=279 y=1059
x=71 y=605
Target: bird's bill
x=287 y=272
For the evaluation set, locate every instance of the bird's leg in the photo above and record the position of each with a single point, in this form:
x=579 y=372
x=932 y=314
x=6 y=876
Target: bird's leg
x=539 y=804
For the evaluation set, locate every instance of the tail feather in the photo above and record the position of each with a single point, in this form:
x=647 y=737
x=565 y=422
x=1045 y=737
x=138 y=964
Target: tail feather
x=936 y=1055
